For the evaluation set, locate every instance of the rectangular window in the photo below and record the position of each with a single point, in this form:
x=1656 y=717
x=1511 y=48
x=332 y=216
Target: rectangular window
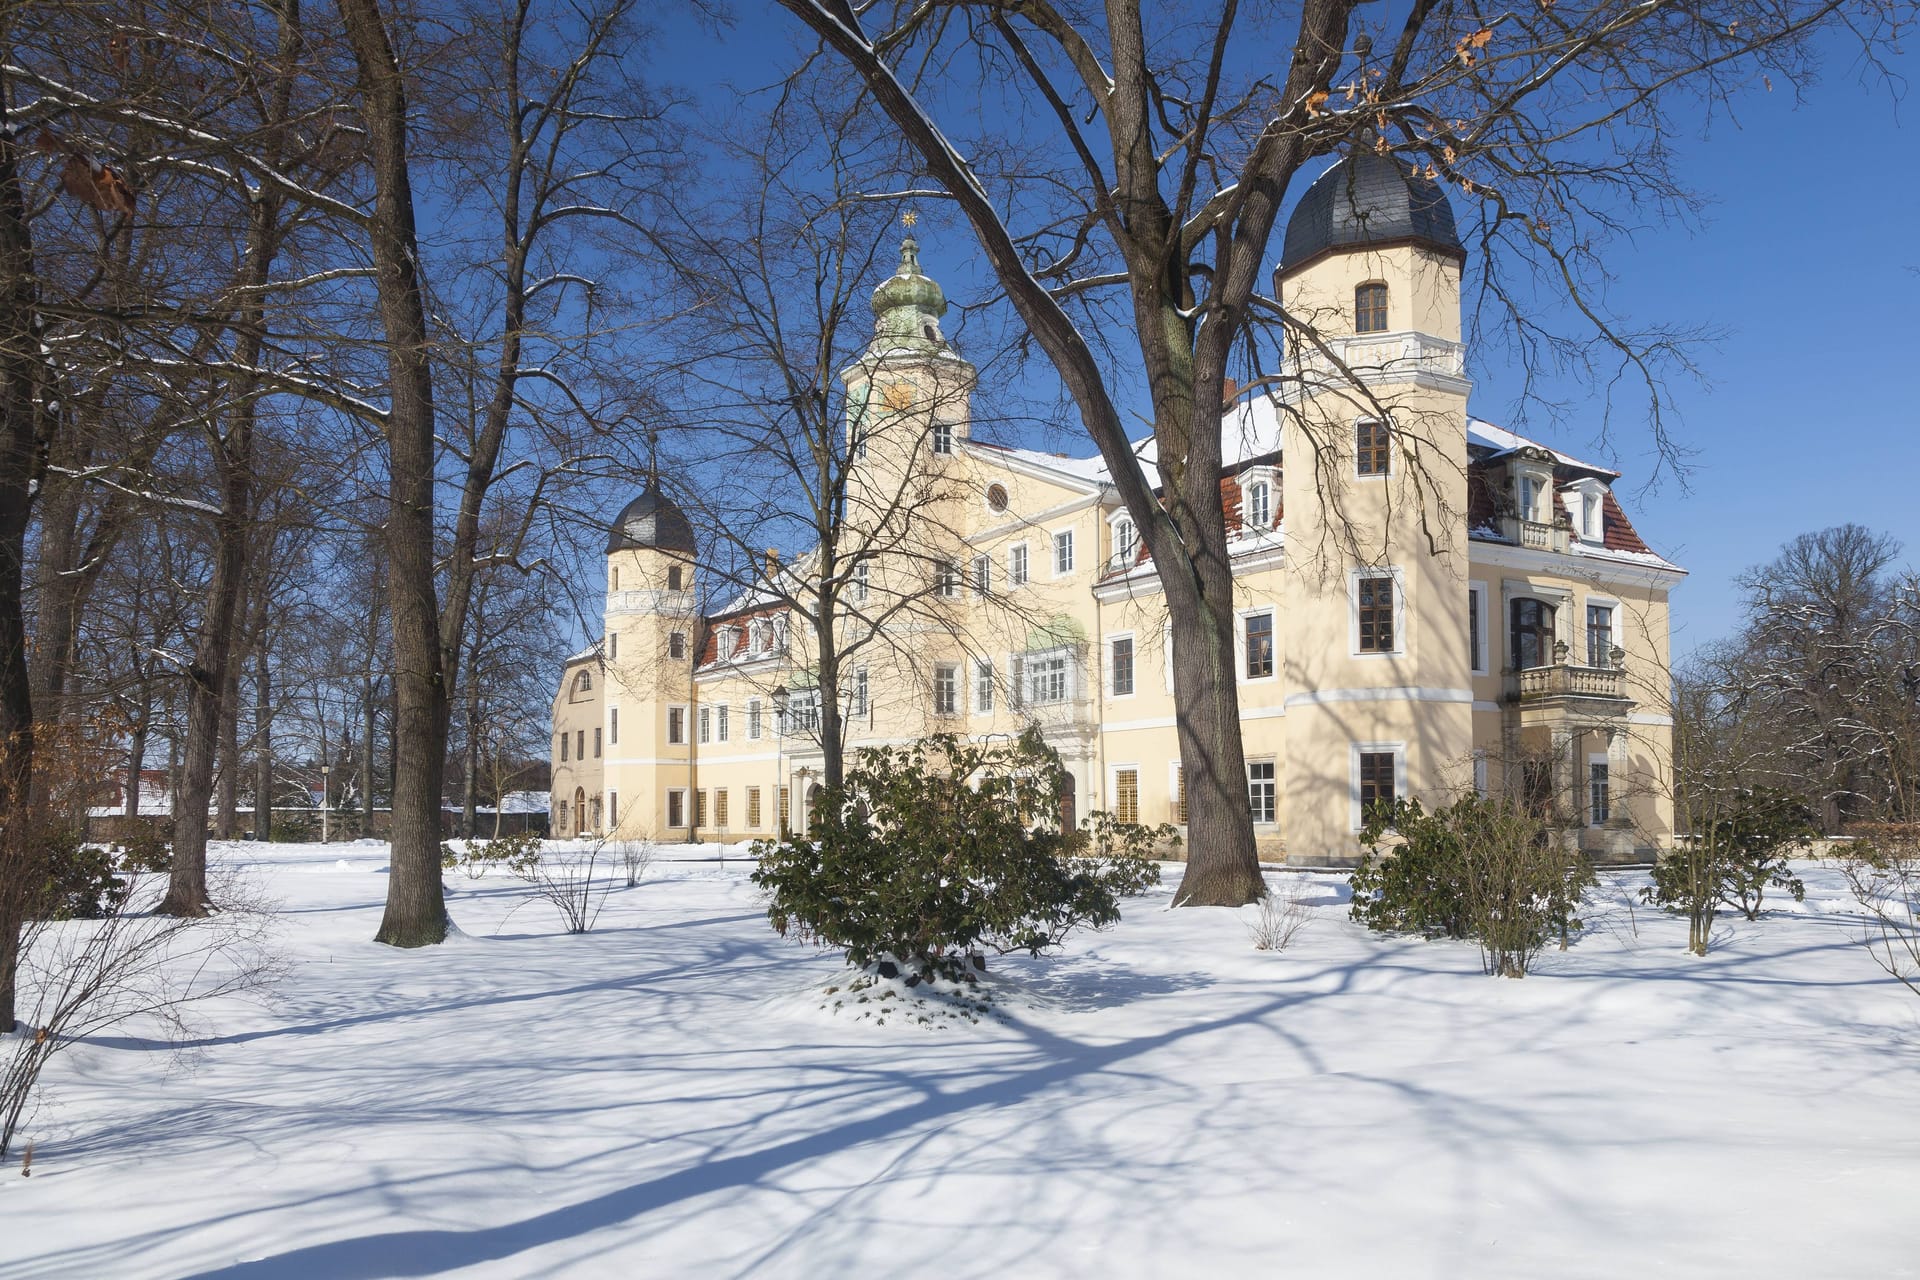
x=1180 y=793
x=566 y=744
x=720 y=808
x=1260 y=790
x=675 y=577
x=982 y=685
x=1373 y=448
x=943 y=437
x=596 y=744
x=1259 y=637
x=1477 y=630
x=1480 y=785
x=1017 y=564
x=946 y=579
x=1063 y=552
x=858 y=705
x=720 y=718
x=1599 y=635
x=860 y=579
x=786 y=803
x=753 y=808
x=1376 y=780
x=946 y=689
x=613 y=726
x=700 y=808
x=676 y=808
x=677 y=645
x=580 y=745
x=1047 y=678
x=1017 y=684
x=677 y=726
x=1599 y=801
x=613 y=808
x=706 y=725
x=1376 y=615
x=1126 y=795
x=982 y=576
x=1121 y=665
x=753 y=719
x=613 y=641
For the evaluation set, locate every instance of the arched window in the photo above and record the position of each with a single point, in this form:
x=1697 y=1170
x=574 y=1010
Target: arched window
x=1126 y=542
x=583 y=683
x=1258 y=508
x=1370 y=308
x=1532 y=637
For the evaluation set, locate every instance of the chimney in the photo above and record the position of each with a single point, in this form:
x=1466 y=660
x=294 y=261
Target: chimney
x=1229 y=392
x=773 y=563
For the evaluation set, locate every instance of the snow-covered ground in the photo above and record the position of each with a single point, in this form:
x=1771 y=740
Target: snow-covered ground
x=667 y=1097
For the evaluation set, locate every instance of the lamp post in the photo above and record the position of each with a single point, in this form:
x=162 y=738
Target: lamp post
x=325 y=796
x=781 y=697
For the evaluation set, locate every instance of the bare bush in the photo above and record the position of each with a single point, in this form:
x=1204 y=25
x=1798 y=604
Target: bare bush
x=1884 y=875
x=1282 y=913
x=565 y=879
x=129 y=967
x=637 y=852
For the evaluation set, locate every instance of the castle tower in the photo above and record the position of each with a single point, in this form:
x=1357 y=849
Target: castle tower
x=649 y=651
x=1375 y=660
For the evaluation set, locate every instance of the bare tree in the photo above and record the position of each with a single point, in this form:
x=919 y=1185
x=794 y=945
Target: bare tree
x=1168 y=141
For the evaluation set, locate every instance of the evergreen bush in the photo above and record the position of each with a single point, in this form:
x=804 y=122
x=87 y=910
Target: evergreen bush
x=931 y=853
x=1485 y=868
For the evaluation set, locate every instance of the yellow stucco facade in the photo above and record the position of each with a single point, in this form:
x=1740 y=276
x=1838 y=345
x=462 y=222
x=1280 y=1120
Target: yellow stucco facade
x=1430 y=608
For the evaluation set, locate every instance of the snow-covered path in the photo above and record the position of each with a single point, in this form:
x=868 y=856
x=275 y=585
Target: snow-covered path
x=665 y=1097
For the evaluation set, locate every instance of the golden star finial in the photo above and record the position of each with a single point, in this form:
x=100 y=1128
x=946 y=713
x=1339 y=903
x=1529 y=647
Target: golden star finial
x=909 y=218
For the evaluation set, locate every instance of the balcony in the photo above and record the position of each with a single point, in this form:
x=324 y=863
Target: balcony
x=1536 y=535
x=1600 y=690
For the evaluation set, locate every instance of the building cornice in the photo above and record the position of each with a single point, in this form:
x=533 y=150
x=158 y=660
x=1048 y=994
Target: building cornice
x=1581 y=568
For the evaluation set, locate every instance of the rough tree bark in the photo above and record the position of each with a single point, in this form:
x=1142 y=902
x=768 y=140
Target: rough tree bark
x=416 y=913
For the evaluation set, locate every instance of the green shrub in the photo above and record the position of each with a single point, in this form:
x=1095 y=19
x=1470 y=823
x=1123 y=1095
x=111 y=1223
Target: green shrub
x=146 y=850
x=1732 y=859
x=517 y=854
x=78 y=879
x=1485 y=868
x=930 y=853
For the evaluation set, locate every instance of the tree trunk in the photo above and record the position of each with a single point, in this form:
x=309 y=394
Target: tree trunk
x=22 y=454
x=229 y=763
x=470 y=796
x=262 y=727
x=416 y=913
x=136 y=753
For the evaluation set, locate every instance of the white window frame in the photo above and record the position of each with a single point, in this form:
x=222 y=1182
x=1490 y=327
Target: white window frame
x=1113 y=790
x=1030 y=660
x=1354 y=752
x=1578 y=495
x=1240 y=617
x=982 y=576
x=859 y=584
x=1612 y=606
x=720 y=721
x=1603 y=759
x=1019 y=565
x=677 y=799
x=706 y=724
x=753 y=719
x=942 y=437
x=613 y=644
x=613 y=726
x=1122 y=556
x=1133 y=672
x=1477 y=595
x=1393 y=449
x=1275 y=763
x=983 y=678
x=1481 y=786
x=949 y=673
x=1054 y=544
x=946 y=580
x=1399 y=577
x=857 y=705
x=680 y=741
x=1248 y=479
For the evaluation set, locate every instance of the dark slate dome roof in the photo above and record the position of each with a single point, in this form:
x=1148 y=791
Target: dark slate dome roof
x=651 y=520
x=1369 y=199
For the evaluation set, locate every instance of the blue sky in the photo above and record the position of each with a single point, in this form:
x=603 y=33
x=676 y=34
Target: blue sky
x=1807 y=263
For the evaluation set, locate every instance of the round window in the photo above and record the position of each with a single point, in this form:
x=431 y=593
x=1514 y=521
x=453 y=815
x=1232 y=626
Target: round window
x=997 y=497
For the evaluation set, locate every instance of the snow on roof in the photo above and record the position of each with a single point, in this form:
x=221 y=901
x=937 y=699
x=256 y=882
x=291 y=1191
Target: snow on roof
x=1501 y=440
x=520 y=802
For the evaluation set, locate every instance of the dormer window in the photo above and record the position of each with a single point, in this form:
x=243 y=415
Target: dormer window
x=583 y=683
x=1370 y=308
x=1587 y=503
x=1259 y=505
x=1126 y=541
x=1527 y=492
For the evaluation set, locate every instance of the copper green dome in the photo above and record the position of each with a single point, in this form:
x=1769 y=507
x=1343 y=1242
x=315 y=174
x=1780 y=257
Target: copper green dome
x=908 y=306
